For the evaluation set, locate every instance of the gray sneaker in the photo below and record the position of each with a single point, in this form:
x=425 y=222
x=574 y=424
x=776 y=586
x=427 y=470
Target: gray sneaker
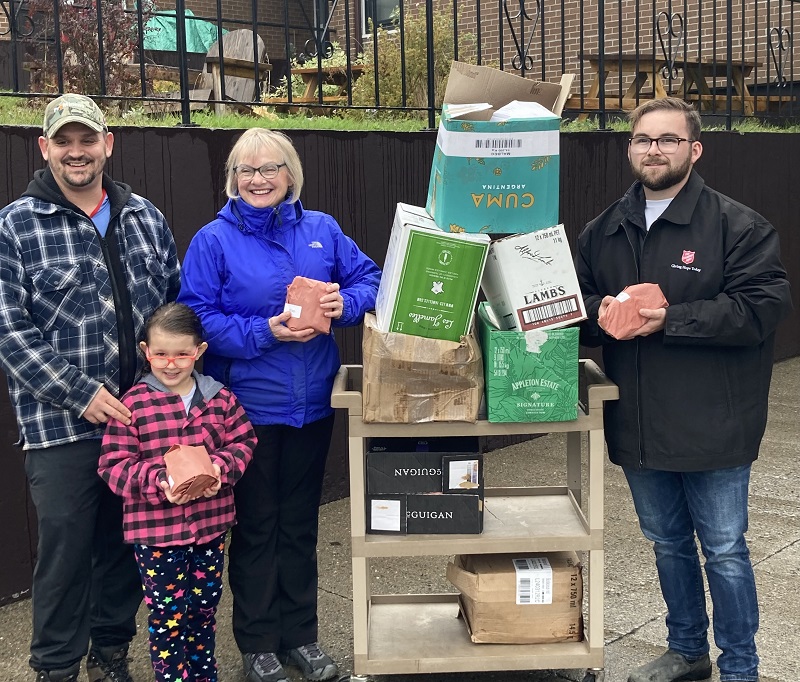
x=672 y=667
x=108 y=664
x=314 y=663
x=263 y=667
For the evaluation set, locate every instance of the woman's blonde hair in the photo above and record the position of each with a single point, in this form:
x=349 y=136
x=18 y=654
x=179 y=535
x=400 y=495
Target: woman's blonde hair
x=254 y=141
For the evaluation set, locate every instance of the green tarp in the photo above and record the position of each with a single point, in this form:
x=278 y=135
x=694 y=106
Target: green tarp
x=200 y=34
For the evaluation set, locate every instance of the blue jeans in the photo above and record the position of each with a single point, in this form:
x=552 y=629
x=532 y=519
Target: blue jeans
x=672 y=507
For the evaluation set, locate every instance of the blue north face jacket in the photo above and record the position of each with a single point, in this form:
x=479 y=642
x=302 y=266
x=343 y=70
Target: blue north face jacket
x=235 y=275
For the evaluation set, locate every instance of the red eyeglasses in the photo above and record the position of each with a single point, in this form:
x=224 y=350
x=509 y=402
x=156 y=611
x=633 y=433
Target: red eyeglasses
x=180 y=361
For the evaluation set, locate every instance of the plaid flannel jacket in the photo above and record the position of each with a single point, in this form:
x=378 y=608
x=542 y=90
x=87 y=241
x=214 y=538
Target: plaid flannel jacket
x=132 y=461
x=58 y=327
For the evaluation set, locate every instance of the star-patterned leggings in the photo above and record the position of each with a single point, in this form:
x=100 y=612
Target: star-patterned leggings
x=182 y=587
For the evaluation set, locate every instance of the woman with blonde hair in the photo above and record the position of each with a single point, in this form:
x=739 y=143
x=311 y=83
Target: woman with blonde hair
x=235 y=276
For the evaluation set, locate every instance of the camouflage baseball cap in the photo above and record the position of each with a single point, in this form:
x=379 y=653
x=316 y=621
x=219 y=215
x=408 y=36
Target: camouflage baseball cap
x=72 y=108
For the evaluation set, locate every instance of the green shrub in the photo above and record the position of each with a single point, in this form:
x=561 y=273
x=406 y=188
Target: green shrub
x=391 y=59
x=80 y=47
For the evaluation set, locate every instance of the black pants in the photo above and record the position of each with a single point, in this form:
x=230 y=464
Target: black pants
x=85 y=583
x=272 y=565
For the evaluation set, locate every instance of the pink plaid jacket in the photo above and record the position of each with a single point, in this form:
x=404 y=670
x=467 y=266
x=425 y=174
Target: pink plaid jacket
x=132 y=460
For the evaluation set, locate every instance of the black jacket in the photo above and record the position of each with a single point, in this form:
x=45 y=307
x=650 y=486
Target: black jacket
x=694 y=396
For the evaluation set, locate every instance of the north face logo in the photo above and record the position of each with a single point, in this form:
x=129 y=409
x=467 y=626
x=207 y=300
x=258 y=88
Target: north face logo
x=315 y=245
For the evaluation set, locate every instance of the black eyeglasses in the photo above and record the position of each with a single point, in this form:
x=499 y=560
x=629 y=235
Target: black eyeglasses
x=667 y=144
x=268 y=171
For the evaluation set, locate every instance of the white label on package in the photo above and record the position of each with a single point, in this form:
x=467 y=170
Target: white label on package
x=385 y=515
x=529 y=143
x=534 y=581
x=295 y=310
x=622 y=297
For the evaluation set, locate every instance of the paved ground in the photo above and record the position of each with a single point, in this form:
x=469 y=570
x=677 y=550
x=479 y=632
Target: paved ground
x=634 y=611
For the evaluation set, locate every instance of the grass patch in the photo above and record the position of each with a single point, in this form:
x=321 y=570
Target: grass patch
x=17 y=110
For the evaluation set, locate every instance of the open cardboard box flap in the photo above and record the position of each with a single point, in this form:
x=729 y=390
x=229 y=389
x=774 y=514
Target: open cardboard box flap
x=469 y=83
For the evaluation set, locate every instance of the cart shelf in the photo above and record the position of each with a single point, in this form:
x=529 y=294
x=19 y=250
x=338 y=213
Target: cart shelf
x=407 y=633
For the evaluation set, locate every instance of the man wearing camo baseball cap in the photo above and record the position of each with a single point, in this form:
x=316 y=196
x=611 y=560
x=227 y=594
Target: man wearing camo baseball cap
x=72 y=108
x=84 y=262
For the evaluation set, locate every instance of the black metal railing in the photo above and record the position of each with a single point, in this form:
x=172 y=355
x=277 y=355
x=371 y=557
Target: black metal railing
x=373 y=57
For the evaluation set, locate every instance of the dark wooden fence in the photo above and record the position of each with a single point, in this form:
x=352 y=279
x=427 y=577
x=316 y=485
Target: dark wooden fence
x=359 y=178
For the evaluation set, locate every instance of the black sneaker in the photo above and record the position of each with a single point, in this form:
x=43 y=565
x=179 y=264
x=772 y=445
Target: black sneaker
x=672 y=667
x=108 y=664
x=65 y=675
x=263 y=668
x=314 y=663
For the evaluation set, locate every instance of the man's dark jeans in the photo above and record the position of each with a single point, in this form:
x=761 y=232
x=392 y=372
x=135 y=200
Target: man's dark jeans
x=86 y=583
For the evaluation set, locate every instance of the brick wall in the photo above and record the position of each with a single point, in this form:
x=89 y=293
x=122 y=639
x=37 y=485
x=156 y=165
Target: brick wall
x=270 y=18
x=624 y=32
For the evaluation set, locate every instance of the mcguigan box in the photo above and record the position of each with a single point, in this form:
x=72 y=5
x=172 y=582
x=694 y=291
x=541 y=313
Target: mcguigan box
x=530 y=376
x=495 y=177
x=424 y=472
x=434 y=444
x=433 y=513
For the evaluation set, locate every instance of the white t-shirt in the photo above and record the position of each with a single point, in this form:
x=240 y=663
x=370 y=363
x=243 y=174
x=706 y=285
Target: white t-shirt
x=187 y=399
x=653 y=210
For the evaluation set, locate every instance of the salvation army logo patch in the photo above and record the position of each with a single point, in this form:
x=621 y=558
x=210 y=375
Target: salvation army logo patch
x=687 y=257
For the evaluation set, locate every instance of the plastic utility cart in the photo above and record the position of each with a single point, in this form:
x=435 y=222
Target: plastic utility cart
x=408 y=633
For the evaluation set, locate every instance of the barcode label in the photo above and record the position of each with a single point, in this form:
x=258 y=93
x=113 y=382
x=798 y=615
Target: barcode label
x=534 y=581
x=563 y=308
x=498 y=143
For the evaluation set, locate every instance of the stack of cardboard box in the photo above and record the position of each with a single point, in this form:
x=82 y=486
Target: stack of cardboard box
x=488 y=177
x=424 y=486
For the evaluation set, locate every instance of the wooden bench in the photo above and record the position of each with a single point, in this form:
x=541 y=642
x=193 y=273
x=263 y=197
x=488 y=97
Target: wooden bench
x=612 y=102
x=719 y=102
x=159 y=72
x=283 y=104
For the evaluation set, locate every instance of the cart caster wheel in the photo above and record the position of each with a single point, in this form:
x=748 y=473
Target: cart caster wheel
x=594 y=675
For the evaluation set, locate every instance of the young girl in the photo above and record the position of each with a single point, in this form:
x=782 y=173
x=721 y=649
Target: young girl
x=179 y=542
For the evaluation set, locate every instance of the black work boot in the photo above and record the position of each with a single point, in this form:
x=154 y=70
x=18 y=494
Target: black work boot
x=672 y=667
x=65 y=675
x=108 y=664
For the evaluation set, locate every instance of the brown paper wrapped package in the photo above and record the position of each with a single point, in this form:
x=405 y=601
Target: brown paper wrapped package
x=621 y=318
x=302 y=298
x=190 y=469
x=410 y=379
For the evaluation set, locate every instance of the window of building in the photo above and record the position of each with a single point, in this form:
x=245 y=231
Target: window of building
x=379 y=12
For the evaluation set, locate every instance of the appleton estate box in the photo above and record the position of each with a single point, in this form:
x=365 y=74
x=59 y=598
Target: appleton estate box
x=530 y=376
x=495 y=176
x=530 y=281
x=430 y=278
x=431 y=513
x=520 y=599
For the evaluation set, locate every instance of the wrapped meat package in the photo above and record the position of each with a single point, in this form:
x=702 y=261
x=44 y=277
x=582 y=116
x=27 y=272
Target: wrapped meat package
x=189 y=470
x=621 y=318
x=302 y=300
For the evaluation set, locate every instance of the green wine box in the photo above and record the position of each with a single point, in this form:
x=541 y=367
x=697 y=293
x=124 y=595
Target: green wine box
x=530 y=376
x=430 y=278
